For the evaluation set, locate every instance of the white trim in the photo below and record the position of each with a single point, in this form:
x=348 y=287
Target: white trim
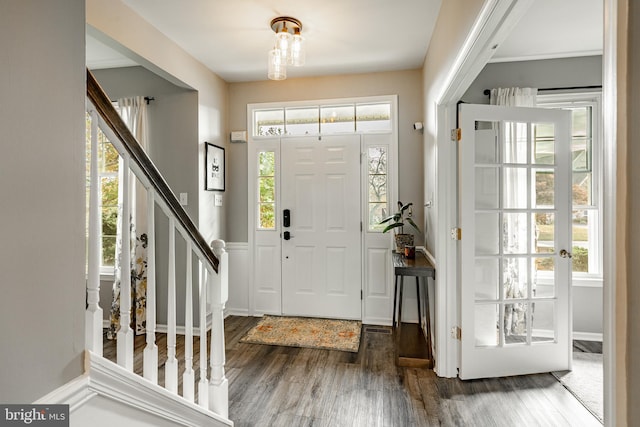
x=75 y=393
x=587 y=336
x=582 y=336
x=237 y=280
x=612 y=17
x=537 y=57
x=108 y=380
x=236 y=246
x=493 y=24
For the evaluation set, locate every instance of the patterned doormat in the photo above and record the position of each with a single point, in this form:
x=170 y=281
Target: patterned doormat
x=328 y=334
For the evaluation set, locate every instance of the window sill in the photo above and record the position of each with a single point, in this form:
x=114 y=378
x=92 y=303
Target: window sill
x=576 y=282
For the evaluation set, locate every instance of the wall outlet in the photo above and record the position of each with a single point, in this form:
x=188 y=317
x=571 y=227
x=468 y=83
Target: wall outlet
x=217 y=200
x=183 y=199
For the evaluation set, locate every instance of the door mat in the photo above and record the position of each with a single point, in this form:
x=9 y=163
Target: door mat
x=585 y=381
x=328 y=334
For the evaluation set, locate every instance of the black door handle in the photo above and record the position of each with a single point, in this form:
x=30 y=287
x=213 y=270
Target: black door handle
x=287 y=235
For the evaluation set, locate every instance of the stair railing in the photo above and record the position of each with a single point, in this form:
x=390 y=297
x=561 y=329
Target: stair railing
x=213 y=261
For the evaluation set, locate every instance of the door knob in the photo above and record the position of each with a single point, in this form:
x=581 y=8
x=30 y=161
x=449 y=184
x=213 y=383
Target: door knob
x=287 y=235
x=565 y=254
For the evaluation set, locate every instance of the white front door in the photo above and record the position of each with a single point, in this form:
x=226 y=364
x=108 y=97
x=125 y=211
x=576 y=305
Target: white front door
x=321 y=254
x=515 y=207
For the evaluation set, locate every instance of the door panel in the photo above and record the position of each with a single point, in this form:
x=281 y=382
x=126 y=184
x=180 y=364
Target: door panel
x=515 y=191
x=321 y=267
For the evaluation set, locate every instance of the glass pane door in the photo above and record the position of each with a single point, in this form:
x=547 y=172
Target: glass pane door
x=514 y=191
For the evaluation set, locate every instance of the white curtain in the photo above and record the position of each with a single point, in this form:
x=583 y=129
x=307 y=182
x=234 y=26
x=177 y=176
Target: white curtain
x=134 y=113
x=514 y=96
x=514 y=227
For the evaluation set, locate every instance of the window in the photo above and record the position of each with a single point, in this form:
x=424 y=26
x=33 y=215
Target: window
x=266 y=190
x=269 y=122
x=377 y=187
x=586 y=137
x=337 y=119
x=373 y=117
x=302 y=120
x=108 y=159
x=364 y=117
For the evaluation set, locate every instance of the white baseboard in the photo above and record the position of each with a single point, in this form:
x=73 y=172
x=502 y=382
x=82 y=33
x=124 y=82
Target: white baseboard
x=108 y=380
x=236 y=312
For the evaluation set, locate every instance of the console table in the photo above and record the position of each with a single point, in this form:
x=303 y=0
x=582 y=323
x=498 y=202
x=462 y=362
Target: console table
x=413 y=348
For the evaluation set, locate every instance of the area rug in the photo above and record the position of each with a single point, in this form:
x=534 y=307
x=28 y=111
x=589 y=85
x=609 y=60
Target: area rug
x=585 y=381
x=328 y=334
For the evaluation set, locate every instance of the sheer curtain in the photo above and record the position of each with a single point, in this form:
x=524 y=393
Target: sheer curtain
x=134 y=113
x=514 y=225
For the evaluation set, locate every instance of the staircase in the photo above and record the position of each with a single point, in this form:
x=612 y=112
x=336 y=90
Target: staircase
x=114 y=388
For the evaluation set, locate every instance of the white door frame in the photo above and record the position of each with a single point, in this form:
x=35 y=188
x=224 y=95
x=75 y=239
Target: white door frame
x=493 y=24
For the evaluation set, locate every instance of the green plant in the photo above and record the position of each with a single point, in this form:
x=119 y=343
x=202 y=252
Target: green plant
x=397 y=220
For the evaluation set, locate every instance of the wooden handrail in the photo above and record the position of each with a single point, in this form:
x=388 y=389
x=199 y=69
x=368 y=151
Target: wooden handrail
x=105 y=109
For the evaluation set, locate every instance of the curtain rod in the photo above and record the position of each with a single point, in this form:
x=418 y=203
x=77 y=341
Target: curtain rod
x=148 y=99
x=488 y=91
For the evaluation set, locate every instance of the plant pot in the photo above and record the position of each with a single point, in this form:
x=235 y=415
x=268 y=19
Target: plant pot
x=403 y=240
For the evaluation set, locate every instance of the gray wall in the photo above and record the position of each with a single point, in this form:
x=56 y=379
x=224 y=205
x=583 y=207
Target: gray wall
x=565 y=72
x=548 y=73
x=42 y=169
x=406 y=84
x=173 y=148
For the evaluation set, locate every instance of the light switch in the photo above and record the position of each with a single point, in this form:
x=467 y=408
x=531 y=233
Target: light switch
x=183 y=199
x=218 y=200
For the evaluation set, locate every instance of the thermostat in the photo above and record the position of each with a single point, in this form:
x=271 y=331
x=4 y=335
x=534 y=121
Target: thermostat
x=239 y=136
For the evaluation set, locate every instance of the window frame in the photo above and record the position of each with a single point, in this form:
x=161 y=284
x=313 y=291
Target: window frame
x=593 y=100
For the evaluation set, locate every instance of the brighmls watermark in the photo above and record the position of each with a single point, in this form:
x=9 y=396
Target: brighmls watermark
x=34 y=415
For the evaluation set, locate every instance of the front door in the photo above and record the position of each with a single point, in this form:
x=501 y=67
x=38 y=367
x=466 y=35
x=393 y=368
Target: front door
x=321 y=240
x=515 y=266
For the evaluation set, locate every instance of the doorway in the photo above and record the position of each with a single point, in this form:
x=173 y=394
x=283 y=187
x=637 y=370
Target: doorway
x=322 y=175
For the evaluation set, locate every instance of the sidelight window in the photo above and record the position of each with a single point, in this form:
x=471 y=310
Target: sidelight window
x=266 y=190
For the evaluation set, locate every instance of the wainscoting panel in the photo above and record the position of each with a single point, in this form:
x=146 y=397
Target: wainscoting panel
x=238 y=303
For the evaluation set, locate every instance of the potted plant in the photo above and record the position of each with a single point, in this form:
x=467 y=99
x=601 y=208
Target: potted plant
x=397 y=222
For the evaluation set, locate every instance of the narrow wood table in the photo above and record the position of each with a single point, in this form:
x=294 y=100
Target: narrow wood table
x=413 y=348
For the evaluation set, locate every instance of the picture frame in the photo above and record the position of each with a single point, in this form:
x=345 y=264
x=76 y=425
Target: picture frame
x=214 y=162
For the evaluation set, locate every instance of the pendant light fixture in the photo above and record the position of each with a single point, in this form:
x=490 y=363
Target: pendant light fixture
x=288 y=49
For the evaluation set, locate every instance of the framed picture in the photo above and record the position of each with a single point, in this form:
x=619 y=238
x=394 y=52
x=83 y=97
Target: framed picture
x=214 y=167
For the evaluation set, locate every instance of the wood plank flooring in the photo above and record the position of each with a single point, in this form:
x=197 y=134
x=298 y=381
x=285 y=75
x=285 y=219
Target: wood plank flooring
x=286 y=386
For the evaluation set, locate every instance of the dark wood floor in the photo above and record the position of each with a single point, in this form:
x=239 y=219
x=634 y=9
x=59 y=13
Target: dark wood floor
x=282 y=386
x=286 y=386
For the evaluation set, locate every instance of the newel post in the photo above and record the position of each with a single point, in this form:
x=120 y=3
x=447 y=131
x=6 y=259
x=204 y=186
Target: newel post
x=93 y=314
x=218 y=383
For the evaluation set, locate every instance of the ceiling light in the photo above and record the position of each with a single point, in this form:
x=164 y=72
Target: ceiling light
x=289 y=47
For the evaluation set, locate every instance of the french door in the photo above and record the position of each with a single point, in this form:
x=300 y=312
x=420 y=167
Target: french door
x=321 y=236
x=515 y=266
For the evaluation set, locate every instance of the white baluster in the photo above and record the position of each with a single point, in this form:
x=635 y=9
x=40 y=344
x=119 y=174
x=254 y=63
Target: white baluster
x=171 y=365
x=203 y=389
x=218 y=384
x=188 y=377
x=125 y=333
x=93 y=314
x=150 y=366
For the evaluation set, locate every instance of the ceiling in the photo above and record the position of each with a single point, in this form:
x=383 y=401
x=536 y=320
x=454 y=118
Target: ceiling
x=232 y=38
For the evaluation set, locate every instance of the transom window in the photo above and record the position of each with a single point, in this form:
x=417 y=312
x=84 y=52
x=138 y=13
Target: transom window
x=323 y=119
